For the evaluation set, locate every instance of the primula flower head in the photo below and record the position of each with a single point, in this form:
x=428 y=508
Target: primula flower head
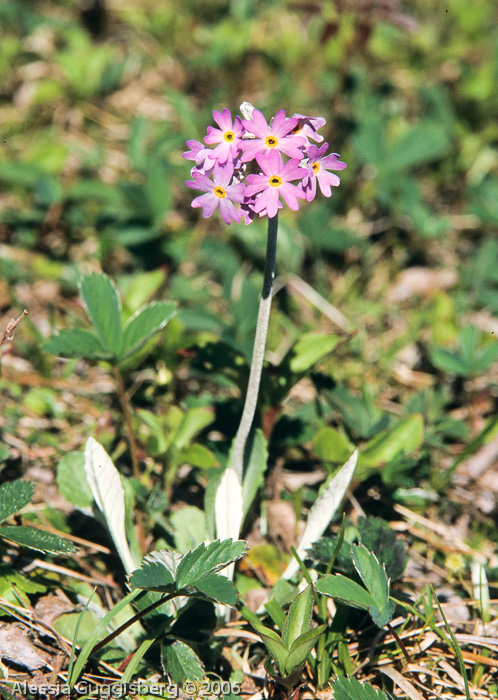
x=288 y=165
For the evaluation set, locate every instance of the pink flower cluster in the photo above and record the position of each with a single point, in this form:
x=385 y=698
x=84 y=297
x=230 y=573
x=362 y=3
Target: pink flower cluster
x=224 y=174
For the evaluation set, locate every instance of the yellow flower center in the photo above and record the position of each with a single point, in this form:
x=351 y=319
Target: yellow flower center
x=275 y=181
x=316 y=167
x=229 y=136
x=220 y=192
x=271 y=141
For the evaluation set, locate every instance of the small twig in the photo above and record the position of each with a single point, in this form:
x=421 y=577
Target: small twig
x=11 y=327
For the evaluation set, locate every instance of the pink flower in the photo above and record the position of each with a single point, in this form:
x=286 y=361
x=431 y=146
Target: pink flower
x=228 y=136
x=318 y=167
x=276 y=137
x=275 y=181
x=219 y=191
x=308 y=127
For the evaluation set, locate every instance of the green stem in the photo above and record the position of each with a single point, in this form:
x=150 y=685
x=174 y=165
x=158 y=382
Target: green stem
x=127 y=416
x=258 y=350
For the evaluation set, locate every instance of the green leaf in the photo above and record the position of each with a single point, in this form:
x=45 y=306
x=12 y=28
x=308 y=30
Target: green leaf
x=487 y=357
x=195 y=420
x=331 y=446
x=345 y=590
x=104 y=309
x=309 y=349
x=405 y=437
x=217 y=588
x=421 y=144
x=189 y=524
x=254 y=469
x=274 y=644
x=14 y=495
x=298 y=619
x=182 y=662
x=301 y=648
x=374 y=577
x=351 y=689
x=157 y=571
x=71 y=480
x=143 y=324
x=198 y=455
x=204 y=560
x=448 y=361
x=37 y=539
x=77 y=342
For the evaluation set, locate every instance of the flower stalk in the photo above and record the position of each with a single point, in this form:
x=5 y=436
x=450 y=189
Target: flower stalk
x=258 y=350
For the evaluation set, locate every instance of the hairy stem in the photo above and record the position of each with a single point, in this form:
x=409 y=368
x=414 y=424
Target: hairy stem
x=258 y=350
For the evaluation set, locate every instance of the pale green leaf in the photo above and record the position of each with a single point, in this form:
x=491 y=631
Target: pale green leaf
x=108 y=493
x=309 y=349
x=189 y=524
x=331 y=446
x=323 y=510
x=254 y=469
x=405 y=437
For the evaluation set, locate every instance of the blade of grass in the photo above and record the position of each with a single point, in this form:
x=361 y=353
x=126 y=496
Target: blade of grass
x=75 y=639
x=455 y=646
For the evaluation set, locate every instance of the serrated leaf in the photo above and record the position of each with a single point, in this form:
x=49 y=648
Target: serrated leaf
x=351 y=689
x=323 y=510
x=218 y=588
x=381 y=616
x=345 y=590
x=143 y=324
x=14 y=495
x=301 y=648
x=298 y=618
x=309 y=349
x=104 y=309
x=157 y=571
x=181 y=662
x=108 y=493
x=77 y=342
x=37 y=539
x=204 y=560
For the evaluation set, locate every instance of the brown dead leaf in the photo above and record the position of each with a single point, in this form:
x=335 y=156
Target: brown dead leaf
x=17 y=647
x=422 y=281
x=281 y=523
